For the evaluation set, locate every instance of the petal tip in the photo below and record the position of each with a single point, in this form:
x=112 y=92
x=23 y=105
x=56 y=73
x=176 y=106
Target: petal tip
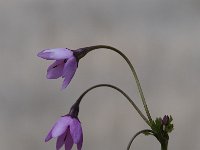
x=63 y=87
x=65 y=84
x=44 y=55
x=39 y=54
x=50 y=76
x=49 y=137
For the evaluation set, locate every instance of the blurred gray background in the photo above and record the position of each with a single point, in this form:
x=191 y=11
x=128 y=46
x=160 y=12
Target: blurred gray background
x=161 y=38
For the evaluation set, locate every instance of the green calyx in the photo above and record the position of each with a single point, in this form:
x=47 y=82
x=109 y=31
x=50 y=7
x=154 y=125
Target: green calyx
x=161 y=128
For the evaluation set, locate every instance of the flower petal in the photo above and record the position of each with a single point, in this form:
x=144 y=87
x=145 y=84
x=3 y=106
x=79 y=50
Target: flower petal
x=55 y=70
x=61 y=126
x=76 y=130
x=68 y=142
x=49 y=136
x=55 y=54
x=80 y=143
x=69 y=71
x=61 y=140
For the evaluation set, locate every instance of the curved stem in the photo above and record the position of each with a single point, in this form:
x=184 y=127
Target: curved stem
x=138 y=133
x=118 y=89
x=88 y=49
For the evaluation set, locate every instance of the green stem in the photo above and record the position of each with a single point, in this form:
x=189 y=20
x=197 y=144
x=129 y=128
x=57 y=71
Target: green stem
x=138 y=133
x=164 y=146
x=88 y=49
x=118 y=89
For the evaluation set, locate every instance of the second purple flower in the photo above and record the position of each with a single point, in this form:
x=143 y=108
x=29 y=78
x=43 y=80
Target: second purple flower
x=68 y=130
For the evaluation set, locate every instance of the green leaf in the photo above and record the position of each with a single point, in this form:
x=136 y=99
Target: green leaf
x=169 y=128
x=170 y=119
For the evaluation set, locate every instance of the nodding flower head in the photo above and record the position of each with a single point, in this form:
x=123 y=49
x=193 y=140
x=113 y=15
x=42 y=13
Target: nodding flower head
x=68 y=131
x=65 y=65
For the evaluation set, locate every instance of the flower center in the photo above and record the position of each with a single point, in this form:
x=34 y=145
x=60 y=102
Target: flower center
x=55 y=66
x=65 y=60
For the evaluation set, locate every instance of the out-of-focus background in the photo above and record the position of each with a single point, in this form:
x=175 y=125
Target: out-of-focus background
x=161 y=38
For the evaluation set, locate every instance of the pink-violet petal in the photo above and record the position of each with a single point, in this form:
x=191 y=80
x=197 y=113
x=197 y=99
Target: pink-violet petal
x=61 y=140
x=49 y=136
x=76 y=130
x=69 y=71
x=55 y=54
x=80 y=143
x=68 y=142
x=61 y=126
x=55 y=70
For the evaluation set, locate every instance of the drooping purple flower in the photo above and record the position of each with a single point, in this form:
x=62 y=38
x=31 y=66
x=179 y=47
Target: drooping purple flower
x=68 y=131
x=65 y=65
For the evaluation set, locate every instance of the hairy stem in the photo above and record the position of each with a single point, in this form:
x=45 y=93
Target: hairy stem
x=138 y=133
x=164 y=147
x=118 y=89
x=88 y=49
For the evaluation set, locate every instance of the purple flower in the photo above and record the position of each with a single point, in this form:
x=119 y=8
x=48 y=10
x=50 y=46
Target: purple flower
x=68 y=131
x=65 y=65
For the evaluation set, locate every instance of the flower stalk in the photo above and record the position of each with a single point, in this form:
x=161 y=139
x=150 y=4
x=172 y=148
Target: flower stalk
x=164 y=146
x=138 y=133
x=91 y=48
x=119 y=90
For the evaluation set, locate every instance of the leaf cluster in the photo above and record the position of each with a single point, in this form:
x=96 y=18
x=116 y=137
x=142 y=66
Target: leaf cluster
x=158 y=127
